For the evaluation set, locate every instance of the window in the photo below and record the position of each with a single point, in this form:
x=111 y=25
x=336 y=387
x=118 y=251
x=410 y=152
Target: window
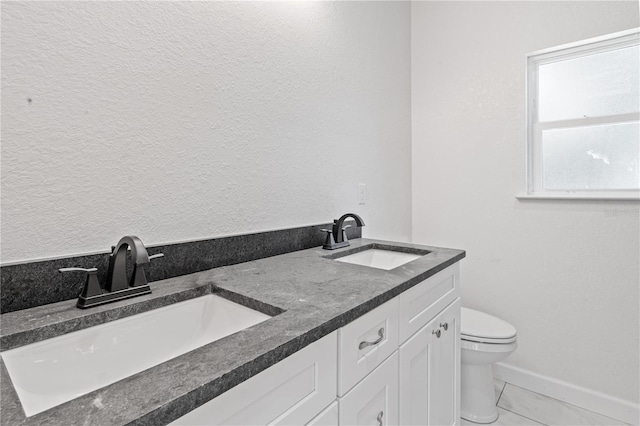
x=583 y=119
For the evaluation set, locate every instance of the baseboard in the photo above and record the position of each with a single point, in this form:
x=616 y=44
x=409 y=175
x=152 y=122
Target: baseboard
x=607 y=405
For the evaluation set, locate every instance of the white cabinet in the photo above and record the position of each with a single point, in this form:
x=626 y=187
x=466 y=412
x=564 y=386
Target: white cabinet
x=430 y=372
x=291 y=392
x=373 y=401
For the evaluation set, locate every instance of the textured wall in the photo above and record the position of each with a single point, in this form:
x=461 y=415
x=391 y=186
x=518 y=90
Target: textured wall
x=566 y=274
x=182 y=120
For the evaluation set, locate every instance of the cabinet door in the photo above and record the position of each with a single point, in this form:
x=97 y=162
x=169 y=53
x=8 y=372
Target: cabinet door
x=430 y=372
x=373 y=401
x=290 y=392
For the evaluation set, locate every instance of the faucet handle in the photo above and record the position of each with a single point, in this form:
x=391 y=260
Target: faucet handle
x=330 y=241
x=139 y=277
x=156 y=256
x=89 y=271
x=91 y=285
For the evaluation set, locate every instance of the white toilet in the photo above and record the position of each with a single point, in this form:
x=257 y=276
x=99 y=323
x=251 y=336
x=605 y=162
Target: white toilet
x=485 y=340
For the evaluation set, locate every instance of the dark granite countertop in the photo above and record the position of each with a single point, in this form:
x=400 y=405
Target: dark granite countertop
x=309 y=294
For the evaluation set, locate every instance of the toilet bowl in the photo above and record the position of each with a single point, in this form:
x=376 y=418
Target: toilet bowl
x=485 y=340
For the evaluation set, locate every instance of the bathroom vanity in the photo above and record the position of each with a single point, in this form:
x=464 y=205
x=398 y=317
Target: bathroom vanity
x=398 y=364
x=345 y=344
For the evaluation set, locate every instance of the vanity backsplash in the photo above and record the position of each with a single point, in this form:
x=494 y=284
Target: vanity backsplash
x=31 y=284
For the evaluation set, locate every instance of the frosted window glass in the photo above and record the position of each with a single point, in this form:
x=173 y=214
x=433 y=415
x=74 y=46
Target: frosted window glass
x=595 y=157
x=606 y=83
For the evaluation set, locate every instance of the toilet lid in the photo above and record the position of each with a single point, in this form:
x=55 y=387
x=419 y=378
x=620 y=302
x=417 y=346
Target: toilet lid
x=481 y=327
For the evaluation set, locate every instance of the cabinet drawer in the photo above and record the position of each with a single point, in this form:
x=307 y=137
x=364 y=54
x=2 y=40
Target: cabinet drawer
x=365 y=343
x=421 y=303
x=374 y=401
x=291 y=392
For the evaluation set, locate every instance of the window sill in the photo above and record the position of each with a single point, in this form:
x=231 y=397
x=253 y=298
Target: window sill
x=578 y=197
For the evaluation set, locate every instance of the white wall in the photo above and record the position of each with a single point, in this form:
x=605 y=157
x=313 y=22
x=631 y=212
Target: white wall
x=185 y=120
x=566 y=274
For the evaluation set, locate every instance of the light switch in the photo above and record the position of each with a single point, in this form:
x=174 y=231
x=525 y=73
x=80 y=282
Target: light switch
x=362 y=193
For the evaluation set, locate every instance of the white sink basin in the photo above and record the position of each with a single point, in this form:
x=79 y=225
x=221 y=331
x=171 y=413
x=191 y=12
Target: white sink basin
x=57 y=370
x=381 y=259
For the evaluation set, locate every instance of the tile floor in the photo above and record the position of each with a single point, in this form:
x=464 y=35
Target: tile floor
x=518 y=406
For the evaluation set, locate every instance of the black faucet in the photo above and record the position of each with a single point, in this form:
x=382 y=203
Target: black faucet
x=117 y=287
x=117 y=274
x=337 y=237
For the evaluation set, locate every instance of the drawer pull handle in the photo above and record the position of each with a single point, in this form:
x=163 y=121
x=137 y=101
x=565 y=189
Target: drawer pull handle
x=379 y=418
x=437 y=333
x=375 y=342
x=445 y=326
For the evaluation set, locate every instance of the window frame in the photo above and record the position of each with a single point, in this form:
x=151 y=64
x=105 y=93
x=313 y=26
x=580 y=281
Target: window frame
x=534 y=172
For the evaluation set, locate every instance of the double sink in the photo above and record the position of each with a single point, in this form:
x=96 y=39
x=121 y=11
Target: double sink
x=53 y=371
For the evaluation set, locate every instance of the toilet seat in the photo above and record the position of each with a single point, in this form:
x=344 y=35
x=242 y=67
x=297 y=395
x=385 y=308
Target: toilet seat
x=477 y=339
x=488 y=347
x=480 y=327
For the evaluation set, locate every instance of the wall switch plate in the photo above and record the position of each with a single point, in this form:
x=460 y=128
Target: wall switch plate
x=362 y=193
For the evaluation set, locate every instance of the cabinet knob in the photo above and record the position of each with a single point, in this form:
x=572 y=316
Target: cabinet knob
x=437 y=333
x=364 y=344
x=445 y=326
x=379 y=418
